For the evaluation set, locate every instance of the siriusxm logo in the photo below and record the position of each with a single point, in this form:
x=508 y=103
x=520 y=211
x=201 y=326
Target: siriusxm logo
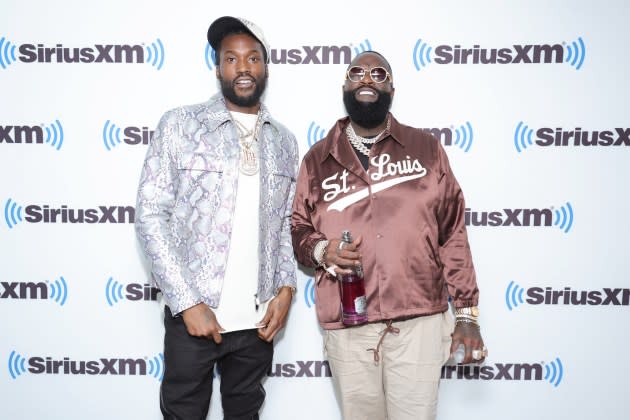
x=55 y=290
x=307 y=54
x=561 y=218
x=146 y=366
x=566 y=296
x=34 y=213
x=547 y=136
x=551 y=372
x=210 y=56
x=315 y=133
x=572 y=53
x=316 y=54
x=309 y=292
x=130 y=135
x=301 y=369
x=116 y=292
x=51 y=134
x=461 y=136
x=152 y=54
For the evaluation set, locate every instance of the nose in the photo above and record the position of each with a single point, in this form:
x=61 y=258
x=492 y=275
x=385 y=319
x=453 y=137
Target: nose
x=366 y=77
x=243 y=66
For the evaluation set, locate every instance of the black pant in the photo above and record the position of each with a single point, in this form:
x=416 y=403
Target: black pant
x=243 y=360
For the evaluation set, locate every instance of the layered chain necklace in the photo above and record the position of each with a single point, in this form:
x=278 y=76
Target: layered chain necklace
x=359 y=142
x=247 y=138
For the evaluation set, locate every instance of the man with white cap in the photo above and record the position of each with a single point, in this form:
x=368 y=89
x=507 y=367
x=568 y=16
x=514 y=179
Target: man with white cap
x=213 y=217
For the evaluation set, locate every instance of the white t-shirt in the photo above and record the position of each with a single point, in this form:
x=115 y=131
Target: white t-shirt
x=237 y=306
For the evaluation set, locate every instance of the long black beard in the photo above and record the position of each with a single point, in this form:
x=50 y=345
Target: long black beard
x=367 y=115
x=227 y=88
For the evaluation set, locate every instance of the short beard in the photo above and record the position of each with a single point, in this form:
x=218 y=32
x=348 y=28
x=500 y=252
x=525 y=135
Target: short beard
x=367 y=115
x=227 y=88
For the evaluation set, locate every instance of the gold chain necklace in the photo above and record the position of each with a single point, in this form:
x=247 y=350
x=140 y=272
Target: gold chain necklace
x=248 y=160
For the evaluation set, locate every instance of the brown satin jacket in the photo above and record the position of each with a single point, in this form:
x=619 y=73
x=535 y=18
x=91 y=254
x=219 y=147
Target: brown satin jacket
x=409 y=209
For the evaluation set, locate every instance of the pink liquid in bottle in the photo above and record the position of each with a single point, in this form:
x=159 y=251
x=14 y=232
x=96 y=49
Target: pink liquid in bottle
x=353 y=300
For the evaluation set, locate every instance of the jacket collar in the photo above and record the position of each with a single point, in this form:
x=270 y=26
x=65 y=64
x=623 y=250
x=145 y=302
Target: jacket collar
x=217 y=114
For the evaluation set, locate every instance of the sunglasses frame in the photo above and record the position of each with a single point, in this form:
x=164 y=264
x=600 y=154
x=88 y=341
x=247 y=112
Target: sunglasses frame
x=387 y=74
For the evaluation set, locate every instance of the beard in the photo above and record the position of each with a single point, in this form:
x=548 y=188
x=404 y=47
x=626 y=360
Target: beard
x=227 y=88
x=367 y=115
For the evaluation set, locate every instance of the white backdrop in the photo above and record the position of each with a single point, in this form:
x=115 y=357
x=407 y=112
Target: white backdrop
x=81 y=333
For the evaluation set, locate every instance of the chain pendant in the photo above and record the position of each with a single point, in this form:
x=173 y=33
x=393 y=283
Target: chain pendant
x=248 y=163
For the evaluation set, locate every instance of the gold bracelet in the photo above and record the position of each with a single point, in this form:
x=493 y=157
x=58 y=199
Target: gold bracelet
x=471 y=317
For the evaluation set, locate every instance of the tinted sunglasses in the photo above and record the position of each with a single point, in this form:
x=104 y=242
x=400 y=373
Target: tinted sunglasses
x=377 y=74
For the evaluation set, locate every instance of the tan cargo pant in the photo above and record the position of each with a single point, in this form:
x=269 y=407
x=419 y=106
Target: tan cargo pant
x=403 y=384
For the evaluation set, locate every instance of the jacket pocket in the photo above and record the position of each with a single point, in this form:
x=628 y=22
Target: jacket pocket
x=279 y=184
x=433 y=254
x=199 y=190
x=431 y=250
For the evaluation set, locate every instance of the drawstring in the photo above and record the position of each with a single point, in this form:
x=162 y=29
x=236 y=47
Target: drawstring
x=388 y=329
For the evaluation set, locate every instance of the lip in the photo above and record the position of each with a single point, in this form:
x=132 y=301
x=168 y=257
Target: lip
x=366 y=93
x=244 y=82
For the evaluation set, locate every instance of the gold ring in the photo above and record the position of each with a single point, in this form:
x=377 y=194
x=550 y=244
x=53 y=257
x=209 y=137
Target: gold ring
x=478 y=354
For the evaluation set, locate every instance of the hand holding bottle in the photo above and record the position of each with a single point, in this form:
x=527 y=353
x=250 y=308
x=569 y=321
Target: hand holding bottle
x=342 y=256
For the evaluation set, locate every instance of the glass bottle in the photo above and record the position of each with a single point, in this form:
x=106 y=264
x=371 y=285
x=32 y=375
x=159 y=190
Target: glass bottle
x=353 y=300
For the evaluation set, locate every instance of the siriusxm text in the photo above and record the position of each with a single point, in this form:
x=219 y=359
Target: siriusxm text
x=30 y=53
x=64 y=214
x=300 y=369
x=317 y=54
x=103 y=366
x=525 y=54
x=509 y=217
x=496 y=372
x=567 y=296
x=579 y=137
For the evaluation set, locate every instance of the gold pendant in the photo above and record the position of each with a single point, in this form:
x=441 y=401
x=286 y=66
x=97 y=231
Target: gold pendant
x=248 y=161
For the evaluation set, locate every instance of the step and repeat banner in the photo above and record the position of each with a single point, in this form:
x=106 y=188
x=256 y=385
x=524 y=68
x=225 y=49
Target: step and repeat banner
x=529 y=99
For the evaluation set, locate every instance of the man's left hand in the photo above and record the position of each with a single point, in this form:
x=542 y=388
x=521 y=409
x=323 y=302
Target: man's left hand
x=276 y=316
x=468 y=334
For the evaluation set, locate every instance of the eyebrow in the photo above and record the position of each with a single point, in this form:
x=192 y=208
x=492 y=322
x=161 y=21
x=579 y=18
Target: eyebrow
x=249 y=52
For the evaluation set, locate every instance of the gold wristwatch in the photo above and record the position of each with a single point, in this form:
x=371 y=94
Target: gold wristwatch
x=471 y=310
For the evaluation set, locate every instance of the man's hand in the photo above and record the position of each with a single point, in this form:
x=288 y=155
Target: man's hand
x=343 y=256
x=201 y=322
x=467 y=334
x=276 y=316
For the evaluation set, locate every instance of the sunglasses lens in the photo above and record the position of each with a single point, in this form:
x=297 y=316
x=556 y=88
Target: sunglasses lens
x=356 y=73
x=378 y=74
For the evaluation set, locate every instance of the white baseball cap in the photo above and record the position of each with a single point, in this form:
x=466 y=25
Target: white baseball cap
x=227 y=24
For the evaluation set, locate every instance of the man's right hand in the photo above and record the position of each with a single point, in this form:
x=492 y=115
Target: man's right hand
x=201 y=322
x=342 y=258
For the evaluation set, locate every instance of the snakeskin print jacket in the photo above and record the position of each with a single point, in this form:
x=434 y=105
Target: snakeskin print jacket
x=186 y=198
